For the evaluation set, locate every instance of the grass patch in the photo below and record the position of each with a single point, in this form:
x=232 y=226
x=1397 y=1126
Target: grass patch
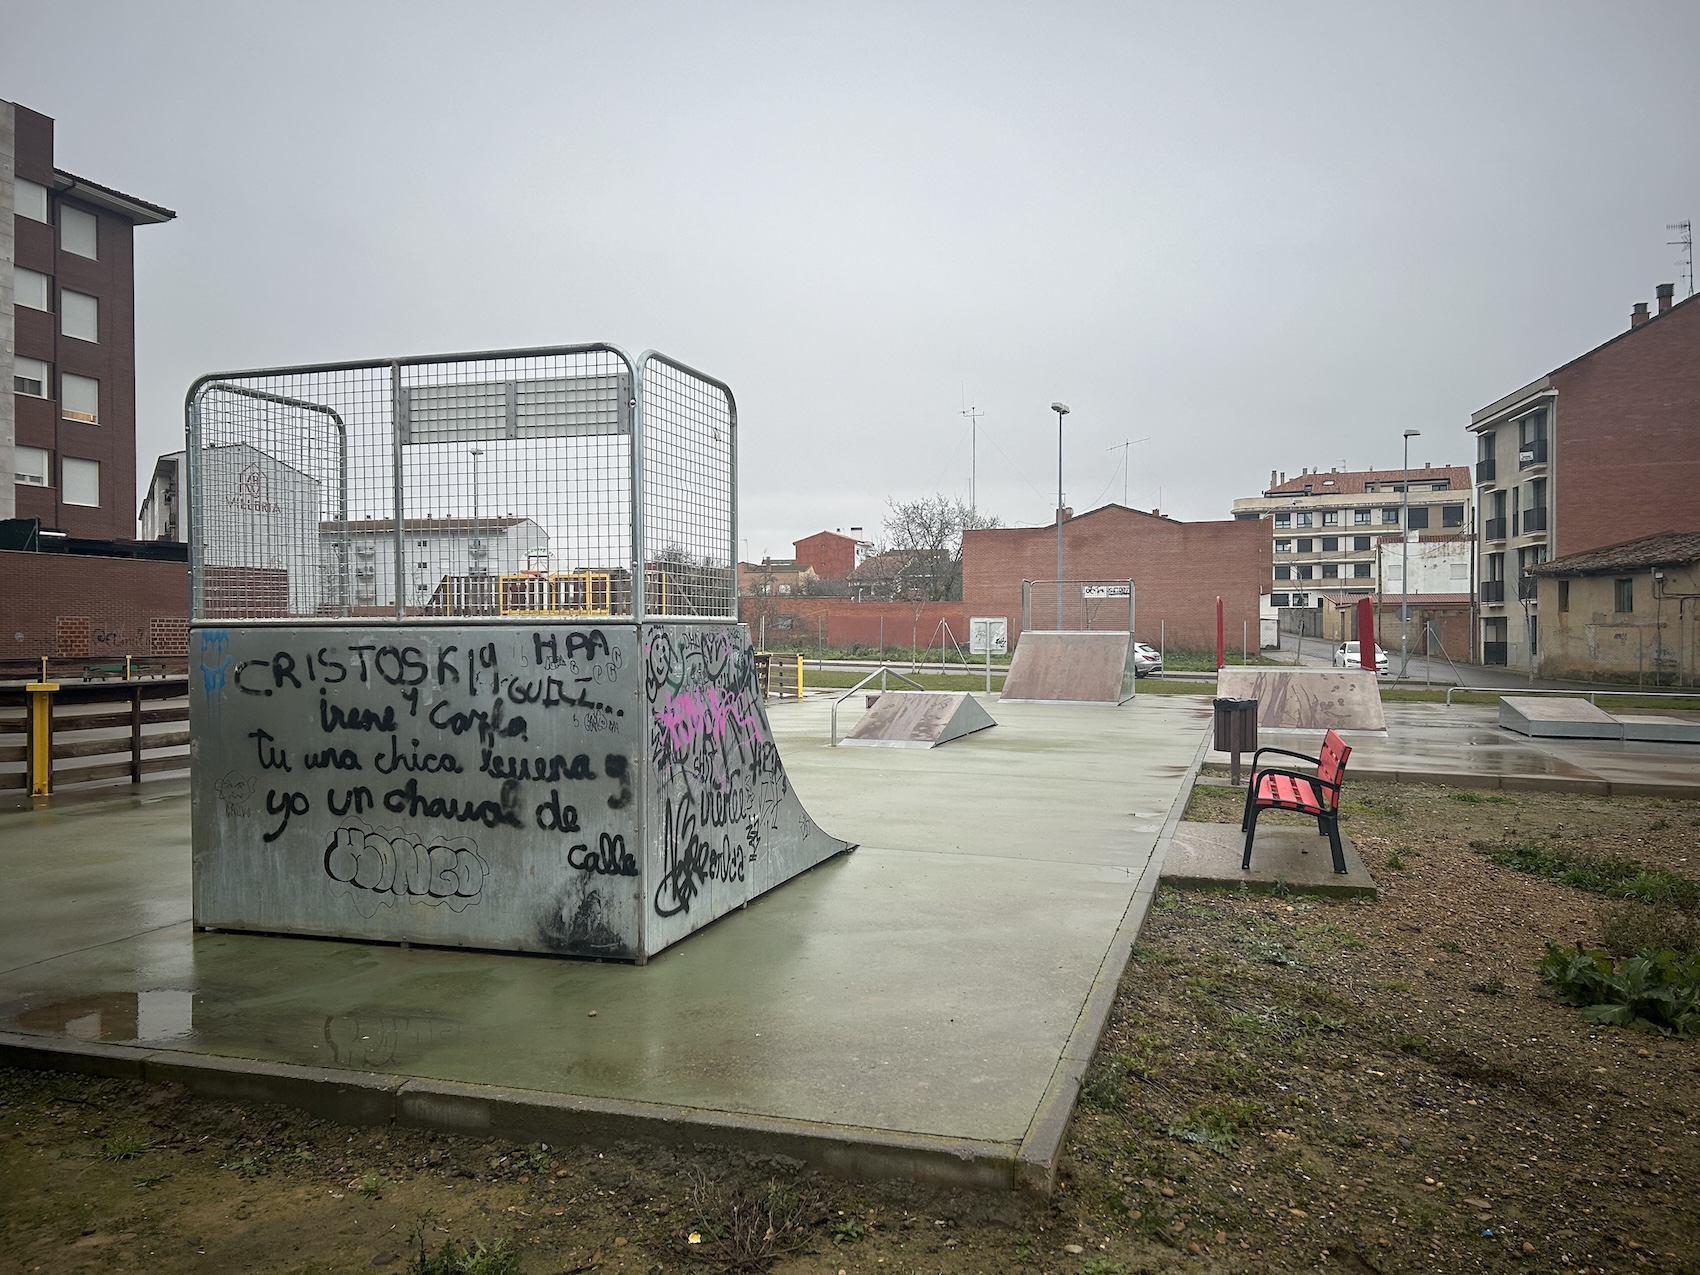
x=1598 y=874
x=1217 y=1126
x=126 y=1146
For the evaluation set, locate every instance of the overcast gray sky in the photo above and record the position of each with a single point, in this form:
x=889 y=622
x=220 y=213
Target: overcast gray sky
x=1264 y=235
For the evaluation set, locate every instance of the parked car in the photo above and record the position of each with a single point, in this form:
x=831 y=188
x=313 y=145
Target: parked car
x=1347 y=657
x=1146 y=660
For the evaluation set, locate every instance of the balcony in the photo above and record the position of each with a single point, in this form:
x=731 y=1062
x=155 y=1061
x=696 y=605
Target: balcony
x=1493 y=529
x=1533 y=452
x=1525 y=588
x=1534 y=519
x=1485 y=470
x=1493 y=590
x=1494 y=653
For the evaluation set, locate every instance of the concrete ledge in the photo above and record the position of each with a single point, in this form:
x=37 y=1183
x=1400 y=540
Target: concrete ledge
x=62 y=1053
x=348 y=1097
x=1206 y=856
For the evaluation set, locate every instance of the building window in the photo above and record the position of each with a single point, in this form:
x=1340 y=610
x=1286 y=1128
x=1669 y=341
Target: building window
x=1301 y=519
x=1306 y=544
x=1625 y=591
x=1301 y=599
x=1331 y=544
x=1418 y=518
x=80 y=315
x=1484 y=446
x=1361 y=517
x=1390 y=517
x=1307 y=572
x=29 y=200
x=1493 y=567
x=1452 y=515
x=1283 y=520
x=29 y=465
x=1360 y=544
x=1360 y=571
x=77 y=232
x=1534 y=635
x=79 y=398
x=1330 y=571
x=1277 y=599
x=1330 y=517
x=1532 y=427
x=1445 y=486
x=29 y=288
x=1283 y=572
x=29 y=376
x=79 y=482
x=1283 y=546
x=1564 y=595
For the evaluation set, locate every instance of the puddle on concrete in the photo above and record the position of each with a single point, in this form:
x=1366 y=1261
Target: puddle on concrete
x=149 y=1017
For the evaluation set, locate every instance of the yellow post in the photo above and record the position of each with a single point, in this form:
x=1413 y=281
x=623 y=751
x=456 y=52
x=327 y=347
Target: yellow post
x=799 y=679
x=127 y=660
x=41 y=736
x=44 y=668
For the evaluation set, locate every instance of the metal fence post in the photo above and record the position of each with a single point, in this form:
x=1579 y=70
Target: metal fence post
x=400 y=500
x=41 y=736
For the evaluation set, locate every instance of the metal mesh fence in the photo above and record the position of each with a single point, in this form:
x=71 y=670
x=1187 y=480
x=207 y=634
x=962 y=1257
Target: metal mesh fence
x=1077 y=605
x=689 y=511
x=481 y=485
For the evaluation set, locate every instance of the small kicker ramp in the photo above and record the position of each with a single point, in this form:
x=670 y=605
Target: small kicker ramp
x=1564 y=717
x=1071 y=668
x=1307 y=698
x=919 y=719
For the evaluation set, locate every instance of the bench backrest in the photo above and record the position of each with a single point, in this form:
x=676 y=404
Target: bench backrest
x=1331 y=765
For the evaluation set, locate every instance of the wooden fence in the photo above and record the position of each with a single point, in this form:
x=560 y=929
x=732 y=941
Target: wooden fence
x=145 y=724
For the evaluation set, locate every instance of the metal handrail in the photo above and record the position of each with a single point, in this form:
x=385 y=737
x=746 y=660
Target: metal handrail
x=1592 y=695
x=880 y=673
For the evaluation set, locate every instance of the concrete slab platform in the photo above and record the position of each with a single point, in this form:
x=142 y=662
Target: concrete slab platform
x=918 y=719
x=924 y=1007
x=1307 y=698
x=1556 y=717
x=1054 y=668
x=1207 y=856
x=1673 y=728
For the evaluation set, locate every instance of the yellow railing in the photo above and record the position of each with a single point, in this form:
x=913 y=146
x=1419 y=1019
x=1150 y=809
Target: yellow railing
x=568 y=593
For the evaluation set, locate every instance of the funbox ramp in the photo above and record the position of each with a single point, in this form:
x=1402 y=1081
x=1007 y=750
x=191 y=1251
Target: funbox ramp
x=918 y=719
x=1085 y=667
x=1307 y=698
x=578 y=789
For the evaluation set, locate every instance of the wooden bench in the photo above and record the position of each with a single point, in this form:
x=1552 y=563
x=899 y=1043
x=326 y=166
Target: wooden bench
x=1316 y=795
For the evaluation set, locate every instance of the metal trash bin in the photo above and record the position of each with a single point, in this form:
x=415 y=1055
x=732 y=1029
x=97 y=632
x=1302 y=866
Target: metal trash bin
x=1236 y=728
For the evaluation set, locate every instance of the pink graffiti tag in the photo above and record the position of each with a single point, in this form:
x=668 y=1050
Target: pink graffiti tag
x=695 y=715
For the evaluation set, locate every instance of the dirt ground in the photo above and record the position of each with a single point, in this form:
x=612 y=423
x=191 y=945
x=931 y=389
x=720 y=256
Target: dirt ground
x=1287 y=1083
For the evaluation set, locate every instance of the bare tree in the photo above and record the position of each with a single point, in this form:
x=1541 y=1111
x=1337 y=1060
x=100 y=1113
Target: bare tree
x=924 y=538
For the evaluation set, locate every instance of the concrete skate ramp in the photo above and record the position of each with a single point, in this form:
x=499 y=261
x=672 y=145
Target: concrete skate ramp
x=1555 y=717
x=1092 y=668
x=1307 y=698
x=1670 y=728
x=919 y=719
x=584 y=789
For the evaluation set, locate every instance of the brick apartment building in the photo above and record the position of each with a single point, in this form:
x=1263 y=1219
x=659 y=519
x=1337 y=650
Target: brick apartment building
x=1598 y=452
x=1178 y=570
x=67 y=338
x=832 y=555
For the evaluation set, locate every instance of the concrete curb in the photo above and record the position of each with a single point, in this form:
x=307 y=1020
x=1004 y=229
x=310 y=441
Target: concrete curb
x=1510 y=783
x=1041 y=1149
x=525 y=1115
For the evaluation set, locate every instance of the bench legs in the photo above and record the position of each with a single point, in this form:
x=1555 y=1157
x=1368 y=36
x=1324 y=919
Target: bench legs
x=1326 y=826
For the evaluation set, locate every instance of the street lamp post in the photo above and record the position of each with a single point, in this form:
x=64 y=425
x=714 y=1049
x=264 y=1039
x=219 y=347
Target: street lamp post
x=1405 y=558
x=1061 y=409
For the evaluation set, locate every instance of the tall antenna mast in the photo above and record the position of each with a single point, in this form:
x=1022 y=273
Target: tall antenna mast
x=1123 y=449
x=973 y=414
x=1685 y=241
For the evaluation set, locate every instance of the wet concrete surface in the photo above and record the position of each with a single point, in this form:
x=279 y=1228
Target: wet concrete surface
x=1464 y=745
x=929 y=983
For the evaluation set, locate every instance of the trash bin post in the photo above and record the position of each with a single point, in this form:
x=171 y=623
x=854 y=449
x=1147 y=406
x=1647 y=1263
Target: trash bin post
x=1235 y=729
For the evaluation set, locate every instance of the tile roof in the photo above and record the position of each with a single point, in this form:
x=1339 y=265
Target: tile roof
x=1354 y=482
x=1668 y=548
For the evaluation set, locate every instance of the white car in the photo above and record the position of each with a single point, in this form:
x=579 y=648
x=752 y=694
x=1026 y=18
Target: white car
x=1146 y=660
x=1348 y=657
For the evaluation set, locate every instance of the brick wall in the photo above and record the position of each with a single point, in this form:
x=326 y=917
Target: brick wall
x=1627 y=458
x=1178 y=569
x=833 y=556
x=797 y=622
x=1451 y=621
x=68 y=605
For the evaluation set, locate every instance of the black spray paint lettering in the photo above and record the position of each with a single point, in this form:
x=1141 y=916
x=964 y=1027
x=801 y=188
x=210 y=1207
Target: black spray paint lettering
x=549 y=770
x=552 y=816
x=611 y=858
x=580 y=642
x=616 y=767
x=401 y=665
x=333 y=759
x=490 y=726
x=408 y=800
x=426 y=764
x=688 y=861
x=440 y=872
x=357 y=800
x=335 y=717
x=285 y=804
x=270 y=758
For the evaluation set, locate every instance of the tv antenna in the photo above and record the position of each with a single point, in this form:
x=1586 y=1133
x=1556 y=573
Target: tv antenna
x=1685 y=241
x=973 y=414
x=1123 y=449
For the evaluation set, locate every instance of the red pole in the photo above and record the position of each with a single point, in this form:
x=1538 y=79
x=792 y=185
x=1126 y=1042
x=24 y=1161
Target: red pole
x=1366 y=633
x=1221 y=650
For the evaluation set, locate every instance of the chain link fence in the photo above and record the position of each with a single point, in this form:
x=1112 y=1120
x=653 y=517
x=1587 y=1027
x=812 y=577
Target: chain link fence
x=534 y=483
x=1077 y=605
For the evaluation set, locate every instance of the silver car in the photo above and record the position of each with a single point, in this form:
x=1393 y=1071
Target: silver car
x=1146 y=660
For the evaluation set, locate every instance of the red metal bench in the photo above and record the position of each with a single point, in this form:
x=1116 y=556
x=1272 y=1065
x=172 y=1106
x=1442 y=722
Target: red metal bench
x=1317 y=795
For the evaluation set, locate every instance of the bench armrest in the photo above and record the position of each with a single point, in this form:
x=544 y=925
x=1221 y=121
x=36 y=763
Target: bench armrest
x=1285 y=752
